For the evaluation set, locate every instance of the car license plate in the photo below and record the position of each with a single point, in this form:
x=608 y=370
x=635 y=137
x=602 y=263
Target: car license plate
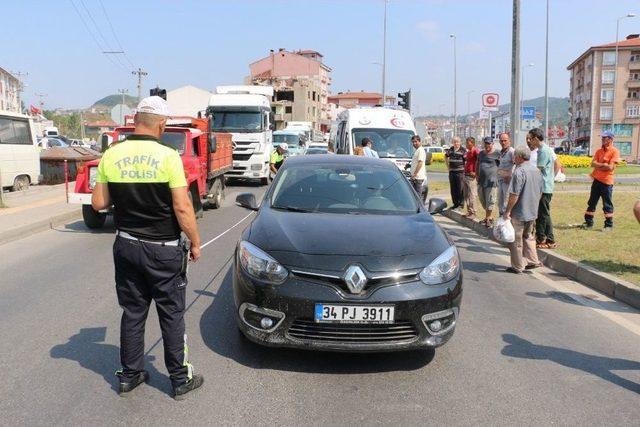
x=354 y=313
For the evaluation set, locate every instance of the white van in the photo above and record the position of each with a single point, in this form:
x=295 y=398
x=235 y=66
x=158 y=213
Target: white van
x=19 y=153
x=389 y=129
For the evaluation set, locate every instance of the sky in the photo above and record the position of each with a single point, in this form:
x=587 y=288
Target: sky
x=211 y=42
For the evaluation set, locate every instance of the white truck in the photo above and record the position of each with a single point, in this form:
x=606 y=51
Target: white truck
x=389 y=129
x=305 y=128
x=245 y=113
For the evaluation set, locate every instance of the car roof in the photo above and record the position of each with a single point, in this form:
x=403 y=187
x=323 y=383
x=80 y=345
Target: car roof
x=337 y=159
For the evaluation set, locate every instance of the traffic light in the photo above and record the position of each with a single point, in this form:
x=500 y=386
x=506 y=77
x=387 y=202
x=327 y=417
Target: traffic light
x=404 y=99
x=156 y=91
x=493 y=128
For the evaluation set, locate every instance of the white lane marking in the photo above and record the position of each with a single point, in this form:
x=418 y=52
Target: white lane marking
x=499 y=252
x=226 y=231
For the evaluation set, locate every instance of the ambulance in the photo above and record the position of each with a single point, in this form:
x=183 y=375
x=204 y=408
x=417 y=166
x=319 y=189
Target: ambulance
x=389 y=129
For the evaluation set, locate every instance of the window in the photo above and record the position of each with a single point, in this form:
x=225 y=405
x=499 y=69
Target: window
x=634 y=76
x=635 y=57
x=608 y=76
x=14 y=131
x=313 y=97
x=284 y=95
x=606 y=95
x=624 y=147
x=633 y=111
x=288 y=109
x=633 y=94
x=609 y=58
x=606 y=113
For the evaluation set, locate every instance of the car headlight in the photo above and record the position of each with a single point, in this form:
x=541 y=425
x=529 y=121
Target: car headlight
x=443 y=268
x=93 y=173
x=259 y=265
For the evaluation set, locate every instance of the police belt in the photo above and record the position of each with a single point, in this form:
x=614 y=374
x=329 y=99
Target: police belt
x=126 y=235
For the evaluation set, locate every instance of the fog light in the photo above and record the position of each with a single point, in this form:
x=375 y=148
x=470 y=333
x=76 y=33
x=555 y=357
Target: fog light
x=256 y=167
x=435 y=326
x=266 y=323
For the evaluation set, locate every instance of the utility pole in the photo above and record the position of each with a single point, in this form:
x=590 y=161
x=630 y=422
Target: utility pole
x=81 y=127
x=19 y=75
x=140 y=73
x=515 y=73
x=123 y=92
x=384 y=55
x=455 y=86
x=41 y=102
x=546 y=77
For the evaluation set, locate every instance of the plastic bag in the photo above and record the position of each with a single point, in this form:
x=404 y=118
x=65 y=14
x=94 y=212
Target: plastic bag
x=503 y=231
x=560 y=177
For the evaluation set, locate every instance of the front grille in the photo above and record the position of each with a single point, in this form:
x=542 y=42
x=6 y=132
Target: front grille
x=242 y=157
x=308 y=330
x=372 y=283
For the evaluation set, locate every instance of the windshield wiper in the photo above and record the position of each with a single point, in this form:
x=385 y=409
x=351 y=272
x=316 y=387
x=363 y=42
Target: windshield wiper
x=292 y=209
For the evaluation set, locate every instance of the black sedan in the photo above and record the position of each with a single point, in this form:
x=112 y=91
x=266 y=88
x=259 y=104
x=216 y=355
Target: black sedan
x=343 y=256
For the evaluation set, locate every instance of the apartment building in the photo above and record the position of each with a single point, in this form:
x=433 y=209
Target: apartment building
x=301 y=86
x=9 y=92
x=604 y=96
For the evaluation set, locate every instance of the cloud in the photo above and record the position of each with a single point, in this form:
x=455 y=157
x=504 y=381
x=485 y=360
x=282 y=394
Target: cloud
x=429 y=29
x=475 y=47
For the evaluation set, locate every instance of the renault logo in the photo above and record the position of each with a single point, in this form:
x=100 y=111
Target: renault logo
x=355 y=279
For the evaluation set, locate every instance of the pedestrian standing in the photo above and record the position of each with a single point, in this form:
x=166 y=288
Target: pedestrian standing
x=470 y=189
x=604 y=164
x=525 y=190
x=545 y=163
x=487 y=167
x=419 y=169
x=144 y=180
x=505 y=169
x=454 y=158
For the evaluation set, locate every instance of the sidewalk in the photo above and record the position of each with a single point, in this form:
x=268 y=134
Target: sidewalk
x=37 y=209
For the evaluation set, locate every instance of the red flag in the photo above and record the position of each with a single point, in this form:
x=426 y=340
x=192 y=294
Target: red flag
x=35 y=110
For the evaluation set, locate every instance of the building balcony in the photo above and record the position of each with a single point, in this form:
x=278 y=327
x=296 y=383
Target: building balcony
x=634 y=65
x=633 y=83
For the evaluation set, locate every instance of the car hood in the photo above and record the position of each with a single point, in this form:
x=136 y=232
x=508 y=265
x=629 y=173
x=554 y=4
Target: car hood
x=324 y=241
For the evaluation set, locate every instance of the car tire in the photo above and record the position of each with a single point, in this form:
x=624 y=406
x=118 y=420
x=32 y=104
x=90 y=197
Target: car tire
x=21 y=183
x=196 y=202
x=93 y=219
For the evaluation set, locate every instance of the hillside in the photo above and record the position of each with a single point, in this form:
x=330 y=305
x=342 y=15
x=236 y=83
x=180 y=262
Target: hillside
x=112 y=100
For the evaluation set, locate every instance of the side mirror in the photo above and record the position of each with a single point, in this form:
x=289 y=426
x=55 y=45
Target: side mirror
x=272 y=122
x=436 y=206
x=213 y=142
x=247 y=200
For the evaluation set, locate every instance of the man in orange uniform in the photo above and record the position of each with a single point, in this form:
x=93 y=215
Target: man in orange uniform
x=603 y=163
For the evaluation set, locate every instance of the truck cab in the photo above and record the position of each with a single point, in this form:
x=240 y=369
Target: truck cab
x=205 y=157
x=390 y=130
x=245 y=113
x=292 y=138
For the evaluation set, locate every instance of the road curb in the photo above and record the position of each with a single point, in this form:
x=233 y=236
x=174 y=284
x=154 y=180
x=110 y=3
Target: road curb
x=45 y=224
x=612 y=286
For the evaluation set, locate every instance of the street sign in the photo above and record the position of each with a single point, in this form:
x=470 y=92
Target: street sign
x=487 y=109
x=490 y=99
x=528 y=113
x=484 y=114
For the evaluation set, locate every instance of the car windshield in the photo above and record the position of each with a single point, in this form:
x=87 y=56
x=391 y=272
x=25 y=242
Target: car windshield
x=293 y=150
x=289 y=139
x=389 y=143
x=175 y=140
x=347 y=189
x=237 y=121
x=315 y=150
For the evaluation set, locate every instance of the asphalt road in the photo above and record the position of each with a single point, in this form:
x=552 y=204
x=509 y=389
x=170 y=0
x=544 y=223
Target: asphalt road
x=529 y=350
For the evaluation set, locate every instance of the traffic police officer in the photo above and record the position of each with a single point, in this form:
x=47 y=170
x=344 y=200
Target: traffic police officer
x=145 y=182
x=277 y=157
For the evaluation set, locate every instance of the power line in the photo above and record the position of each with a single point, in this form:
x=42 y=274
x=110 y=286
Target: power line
x=86 y=26
x=104 y=39
x=115 y=36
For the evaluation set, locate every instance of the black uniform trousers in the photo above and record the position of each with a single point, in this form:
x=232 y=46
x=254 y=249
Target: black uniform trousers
x=456 y=184
x=600 y=190
x=145 y=272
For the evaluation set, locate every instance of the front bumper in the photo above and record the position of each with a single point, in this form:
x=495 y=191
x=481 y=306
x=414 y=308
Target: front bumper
x=291 y=306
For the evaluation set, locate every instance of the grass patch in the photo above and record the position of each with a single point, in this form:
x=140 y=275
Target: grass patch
x=616 y=252
x=437 y=167
x=620 y=170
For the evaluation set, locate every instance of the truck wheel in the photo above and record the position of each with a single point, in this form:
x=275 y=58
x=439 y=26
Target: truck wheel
x=21 y=183
x=264 y=181
x=218 y=195
x=93 y=219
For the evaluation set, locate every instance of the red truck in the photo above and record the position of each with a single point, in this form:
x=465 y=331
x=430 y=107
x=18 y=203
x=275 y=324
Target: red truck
x=206 y=157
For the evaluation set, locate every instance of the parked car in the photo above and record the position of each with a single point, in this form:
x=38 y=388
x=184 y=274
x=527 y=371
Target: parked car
x=434 y=149
x=579 y=152
x=316 y=150
x=49 y=142
x=344 y=256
